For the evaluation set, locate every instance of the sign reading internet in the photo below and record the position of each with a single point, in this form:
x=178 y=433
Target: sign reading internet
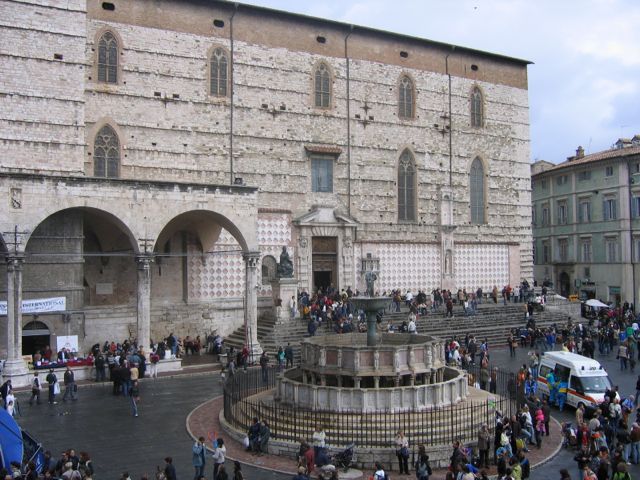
x=39 y=305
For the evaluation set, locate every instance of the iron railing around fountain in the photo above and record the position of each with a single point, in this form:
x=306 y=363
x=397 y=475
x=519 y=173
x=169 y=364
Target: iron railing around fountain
x=248 y=395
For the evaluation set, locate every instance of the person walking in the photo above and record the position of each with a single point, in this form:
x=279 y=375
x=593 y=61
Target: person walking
x=623 y=355
x=219 y=454
x=198 y=458
x=288 y=355
x=134 y=394
x=264 y=365
x=69 y=385
x=36 y=388
x=402 y=452
x=54 y=388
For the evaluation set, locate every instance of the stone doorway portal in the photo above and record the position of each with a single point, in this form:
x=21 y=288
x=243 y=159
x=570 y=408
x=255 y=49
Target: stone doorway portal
x=325 y=262
x=565 y=284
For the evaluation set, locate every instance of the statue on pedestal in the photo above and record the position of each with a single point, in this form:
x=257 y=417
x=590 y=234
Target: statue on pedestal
x=285 y=267
x=370 y=278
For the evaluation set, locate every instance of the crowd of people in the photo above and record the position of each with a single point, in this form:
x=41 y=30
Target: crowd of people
x=606 y=442
x=68 y=466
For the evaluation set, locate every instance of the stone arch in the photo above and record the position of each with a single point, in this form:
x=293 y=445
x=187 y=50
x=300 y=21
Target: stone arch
x=205 y=224
x=101 y=213
x=36 y=335
x=85 y=253
x=269 y=267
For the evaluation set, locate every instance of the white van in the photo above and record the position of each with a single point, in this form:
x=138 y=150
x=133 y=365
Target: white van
x=587 y=380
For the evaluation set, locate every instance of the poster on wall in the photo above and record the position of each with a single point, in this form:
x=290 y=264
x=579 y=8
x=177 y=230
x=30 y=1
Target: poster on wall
x=39 y=305
x=70 y=342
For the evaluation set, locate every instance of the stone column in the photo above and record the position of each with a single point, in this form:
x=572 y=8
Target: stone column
x=356 y=382
x=144 y=300
x=251 y=260
x=14 y=364
x=376 y=382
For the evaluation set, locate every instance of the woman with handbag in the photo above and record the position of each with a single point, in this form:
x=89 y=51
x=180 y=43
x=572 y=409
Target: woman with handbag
x=402 y=452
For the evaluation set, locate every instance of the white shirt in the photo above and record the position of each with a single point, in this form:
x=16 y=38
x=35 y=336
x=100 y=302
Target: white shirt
x=527 y=418
x=318 y=439
x=219 y=454
x=412 y=326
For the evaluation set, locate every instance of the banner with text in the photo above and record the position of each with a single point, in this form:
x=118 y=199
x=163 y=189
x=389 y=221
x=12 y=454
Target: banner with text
x=39 y=305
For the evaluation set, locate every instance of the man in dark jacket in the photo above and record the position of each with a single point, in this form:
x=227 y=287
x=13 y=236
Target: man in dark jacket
x=169 y=469
x=52 y=380
x=457 y=457
x=69 y=385
x=99 y=363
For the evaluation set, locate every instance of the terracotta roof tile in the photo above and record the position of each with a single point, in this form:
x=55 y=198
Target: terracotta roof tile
x=323 y=149
x=595 y=157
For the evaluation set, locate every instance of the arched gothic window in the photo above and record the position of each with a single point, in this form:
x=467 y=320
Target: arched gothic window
x=218 y=73
x=108 y=58
x=405 y=98
x=406 y=188
x=106 y=153
x=476 y=192
x=477 y=113
x=322 y=86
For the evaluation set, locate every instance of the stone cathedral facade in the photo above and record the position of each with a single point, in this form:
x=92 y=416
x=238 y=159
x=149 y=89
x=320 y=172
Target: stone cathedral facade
x=157 y=155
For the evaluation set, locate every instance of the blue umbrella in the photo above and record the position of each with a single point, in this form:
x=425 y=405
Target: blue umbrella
x=10 y=440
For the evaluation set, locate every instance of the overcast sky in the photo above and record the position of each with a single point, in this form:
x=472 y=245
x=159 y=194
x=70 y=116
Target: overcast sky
x=584 y=85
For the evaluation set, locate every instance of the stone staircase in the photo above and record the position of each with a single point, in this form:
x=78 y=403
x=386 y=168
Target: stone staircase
x=493 y=322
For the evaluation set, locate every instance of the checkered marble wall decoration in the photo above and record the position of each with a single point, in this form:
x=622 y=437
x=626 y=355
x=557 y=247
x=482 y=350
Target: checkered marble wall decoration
x=274 y=230
x=223 y=275
x=481 y=266
x=219 y=275
x=413 y=266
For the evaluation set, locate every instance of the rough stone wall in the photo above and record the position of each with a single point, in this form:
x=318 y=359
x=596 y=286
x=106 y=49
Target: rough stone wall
x=42 y=64
x=171 y=129
x=187 y=137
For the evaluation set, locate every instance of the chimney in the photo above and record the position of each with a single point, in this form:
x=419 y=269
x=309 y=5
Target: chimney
x=579 y=152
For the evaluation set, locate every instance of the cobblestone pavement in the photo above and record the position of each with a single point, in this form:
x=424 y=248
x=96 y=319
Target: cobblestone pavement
x=103 y=425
